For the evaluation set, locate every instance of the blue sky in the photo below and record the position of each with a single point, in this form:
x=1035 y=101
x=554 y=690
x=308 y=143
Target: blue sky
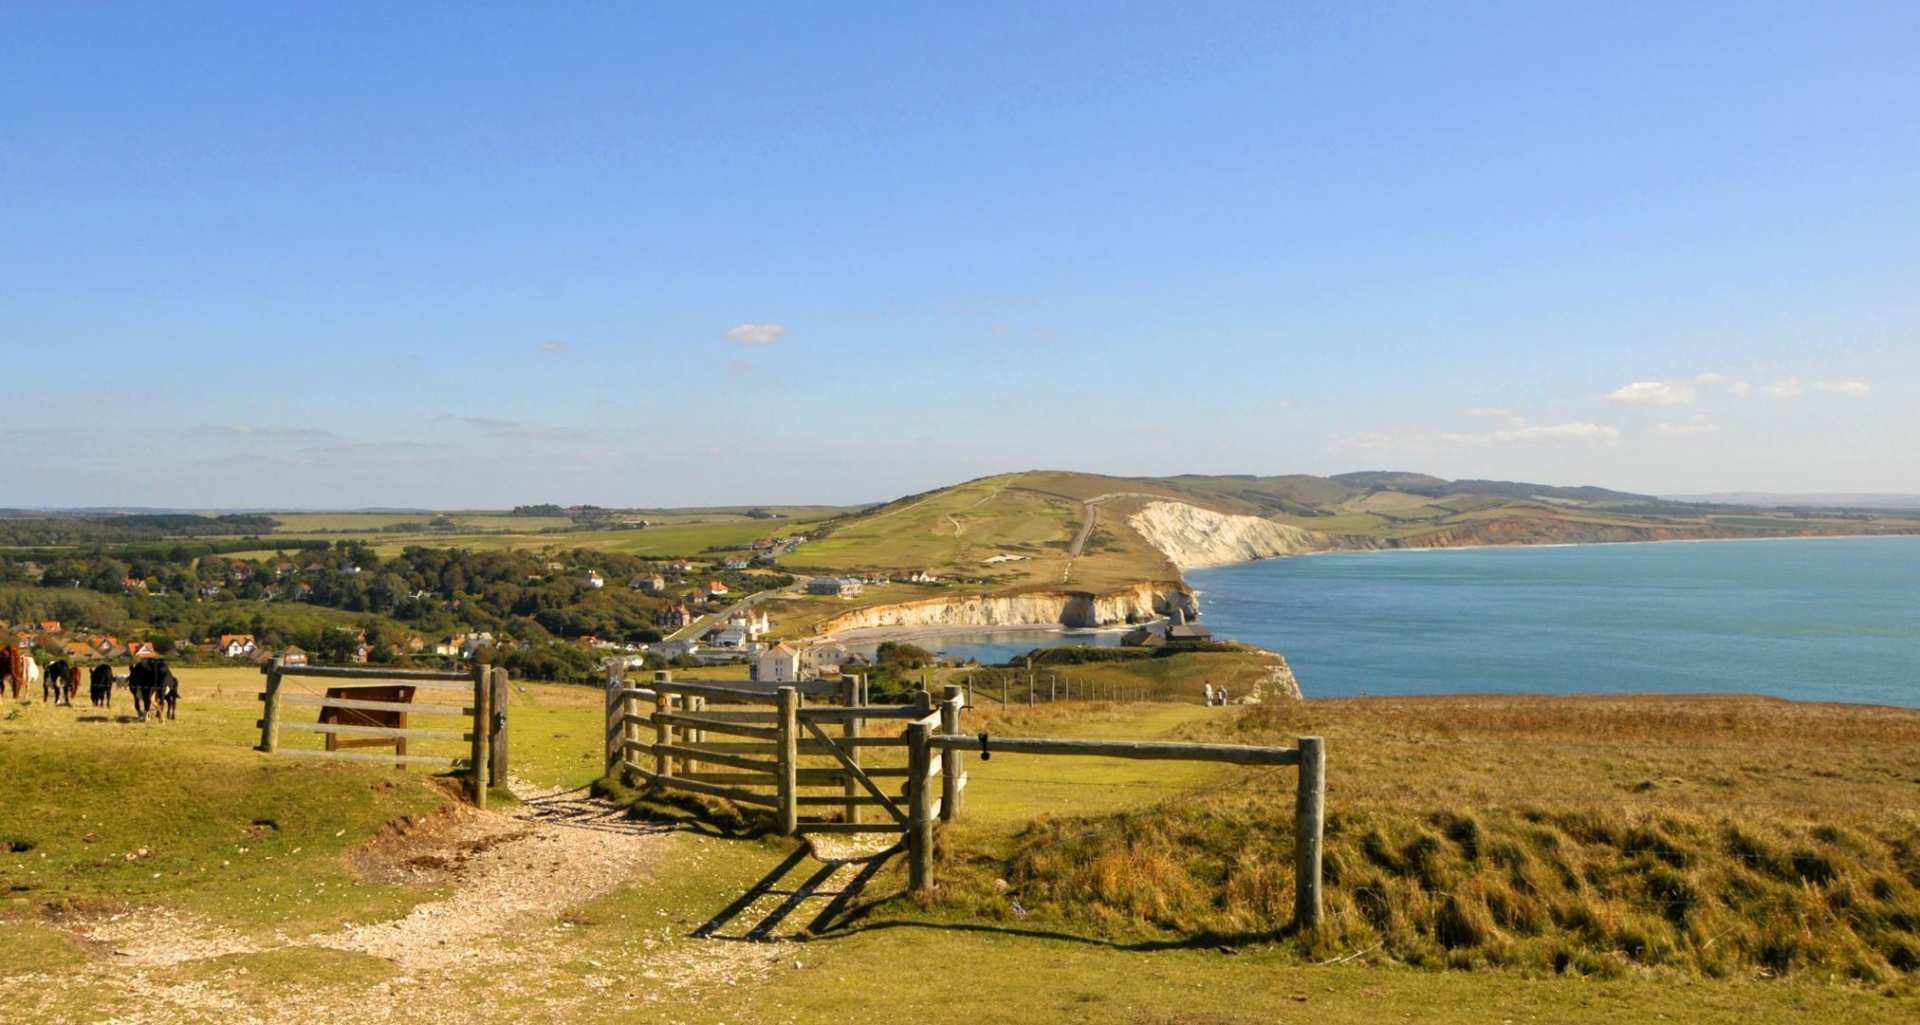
x=461 y=255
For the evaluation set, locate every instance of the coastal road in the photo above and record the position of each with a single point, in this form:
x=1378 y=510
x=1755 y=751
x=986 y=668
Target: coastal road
x=1089 y=518
x=700 y=624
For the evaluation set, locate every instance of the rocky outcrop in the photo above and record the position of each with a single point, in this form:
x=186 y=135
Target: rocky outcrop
x=1192 y=537
x=1135 y=604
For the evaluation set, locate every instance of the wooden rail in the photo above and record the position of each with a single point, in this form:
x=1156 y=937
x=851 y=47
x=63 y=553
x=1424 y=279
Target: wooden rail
x=364 y=721
x=775 y=749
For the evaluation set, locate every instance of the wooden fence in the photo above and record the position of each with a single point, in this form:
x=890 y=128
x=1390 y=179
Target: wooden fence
x=767 y=746
x=364 y=707
x=660 y=734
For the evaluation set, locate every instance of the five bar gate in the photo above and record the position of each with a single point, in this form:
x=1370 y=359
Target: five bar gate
x=371 y=707
x=765 y=746
x=662 y=735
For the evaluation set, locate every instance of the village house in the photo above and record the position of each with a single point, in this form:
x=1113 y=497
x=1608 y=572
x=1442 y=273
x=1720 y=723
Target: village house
x=727 y=637
x=671 y=650
x=837 y=587
x=650 y=584
x=51 y=626
x=735 y=562
x=778 y=664
x=680 y=566
x=33 y=570
x=292 y=656
x=753 y=622
x=234 y=645
x=595 y=580
x=141 y=649
x=675 y=616
x=77 y=649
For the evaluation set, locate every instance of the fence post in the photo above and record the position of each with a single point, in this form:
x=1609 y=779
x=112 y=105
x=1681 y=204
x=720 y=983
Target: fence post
x=850 y=696
x=270 y=720
x=919 y=809
x=950 y=757
x=616 y=719
x=1029 y=690
x=662 y=733
x=694 y=704
x=497 y=742
x=1309 y=826
x=482 y=716
x=784 y=783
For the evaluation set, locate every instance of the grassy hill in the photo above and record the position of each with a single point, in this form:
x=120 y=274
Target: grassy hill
x=1056 y=530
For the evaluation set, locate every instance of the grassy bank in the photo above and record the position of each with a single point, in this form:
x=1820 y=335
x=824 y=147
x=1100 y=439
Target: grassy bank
x=1712 y=836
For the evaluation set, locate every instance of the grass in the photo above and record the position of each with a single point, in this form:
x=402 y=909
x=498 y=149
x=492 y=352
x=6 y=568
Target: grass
x=1451 y=796
x=1584 y=837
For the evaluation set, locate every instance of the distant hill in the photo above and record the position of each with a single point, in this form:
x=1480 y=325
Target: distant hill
x=1058 y=531
x=1790 y=500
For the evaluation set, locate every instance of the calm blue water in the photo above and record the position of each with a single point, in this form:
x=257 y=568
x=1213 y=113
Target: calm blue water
x=1829 y=620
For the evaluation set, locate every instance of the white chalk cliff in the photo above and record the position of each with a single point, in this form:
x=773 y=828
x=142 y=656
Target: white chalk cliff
x=1135 y=604
x=1193 y=537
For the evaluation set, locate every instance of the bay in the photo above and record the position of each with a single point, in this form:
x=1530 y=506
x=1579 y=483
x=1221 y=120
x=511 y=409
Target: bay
x=1832 y=619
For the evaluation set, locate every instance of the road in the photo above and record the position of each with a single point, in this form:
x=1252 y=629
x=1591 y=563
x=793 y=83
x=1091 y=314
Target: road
x=1089 y=517
x=701 y=623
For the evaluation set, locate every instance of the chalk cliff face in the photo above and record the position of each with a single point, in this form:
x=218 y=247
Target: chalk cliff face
x=1193 y=537
x=1138 y=603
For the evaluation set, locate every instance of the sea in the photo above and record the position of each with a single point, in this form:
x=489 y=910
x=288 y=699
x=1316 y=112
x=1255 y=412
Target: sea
x=1827 y=619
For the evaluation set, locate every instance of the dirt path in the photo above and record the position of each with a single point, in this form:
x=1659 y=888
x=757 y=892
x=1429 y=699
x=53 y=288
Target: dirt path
x=558 y=850
x=513 y=878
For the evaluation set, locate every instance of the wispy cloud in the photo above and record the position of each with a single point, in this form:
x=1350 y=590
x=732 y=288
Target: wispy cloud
x=1567 y=433
x=1853 y=389
x=251 y=432
x=757 y=334
x=1653 y=393
x=1791 y=388
x=1698 y=424
x=552 y=347
x=495 y=427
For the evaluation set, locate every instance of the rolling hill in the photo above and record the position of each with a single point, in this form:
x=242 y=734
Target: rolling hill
x=1077 y=538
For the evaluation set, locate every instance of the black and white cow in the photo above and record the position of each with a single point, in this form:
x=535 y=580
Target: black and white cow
x=154 y=689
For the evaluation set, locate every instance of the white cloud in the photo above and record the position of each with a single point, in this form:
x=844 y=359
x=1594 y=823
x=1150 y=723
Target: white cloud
x=551 y=347
x=1740 y=390
x=1850 y=388
x=1787 y=389
x=757 y=334
x=1557 y=432
x=1380 y=441
x=1653 y=393
x=1710 y=379
x=1682 y=428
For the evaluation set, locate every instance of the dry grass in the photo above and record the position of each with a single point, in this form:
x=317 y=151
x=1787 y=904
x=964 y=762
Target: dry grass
x=1705 y=835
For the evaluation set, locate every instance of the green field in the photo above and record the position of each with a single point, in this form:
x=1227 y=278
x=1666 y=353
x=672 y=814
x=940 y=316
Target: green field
x=244 y=856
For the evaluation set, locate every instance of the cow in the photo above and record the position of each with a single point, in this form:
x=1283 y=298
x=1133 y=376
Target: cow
x=155 y=691
x=13 y=670
x=100 y=686
x=59 y=681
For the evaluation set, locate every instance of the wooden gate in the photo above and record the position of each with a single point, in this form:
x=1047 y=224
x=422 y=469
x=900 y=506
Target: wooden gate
x=820 y=768
x=362 y=707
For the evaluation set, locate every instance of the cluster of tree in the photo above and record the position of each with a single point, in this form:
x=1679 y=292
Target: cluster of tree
x=21 y=530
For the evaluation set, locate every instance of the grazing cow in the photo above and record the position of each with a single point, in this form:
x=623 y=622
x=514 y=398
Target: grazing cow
x=100 y=686
x=59 y=682
x=13 y=670
x=154 y=689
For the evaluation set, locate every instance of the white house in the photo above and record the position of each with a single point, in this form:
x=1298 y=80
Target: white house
x=755 y=623
x=595 y=580
x=778 y=664
x=736 y=562
x=675 y=649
